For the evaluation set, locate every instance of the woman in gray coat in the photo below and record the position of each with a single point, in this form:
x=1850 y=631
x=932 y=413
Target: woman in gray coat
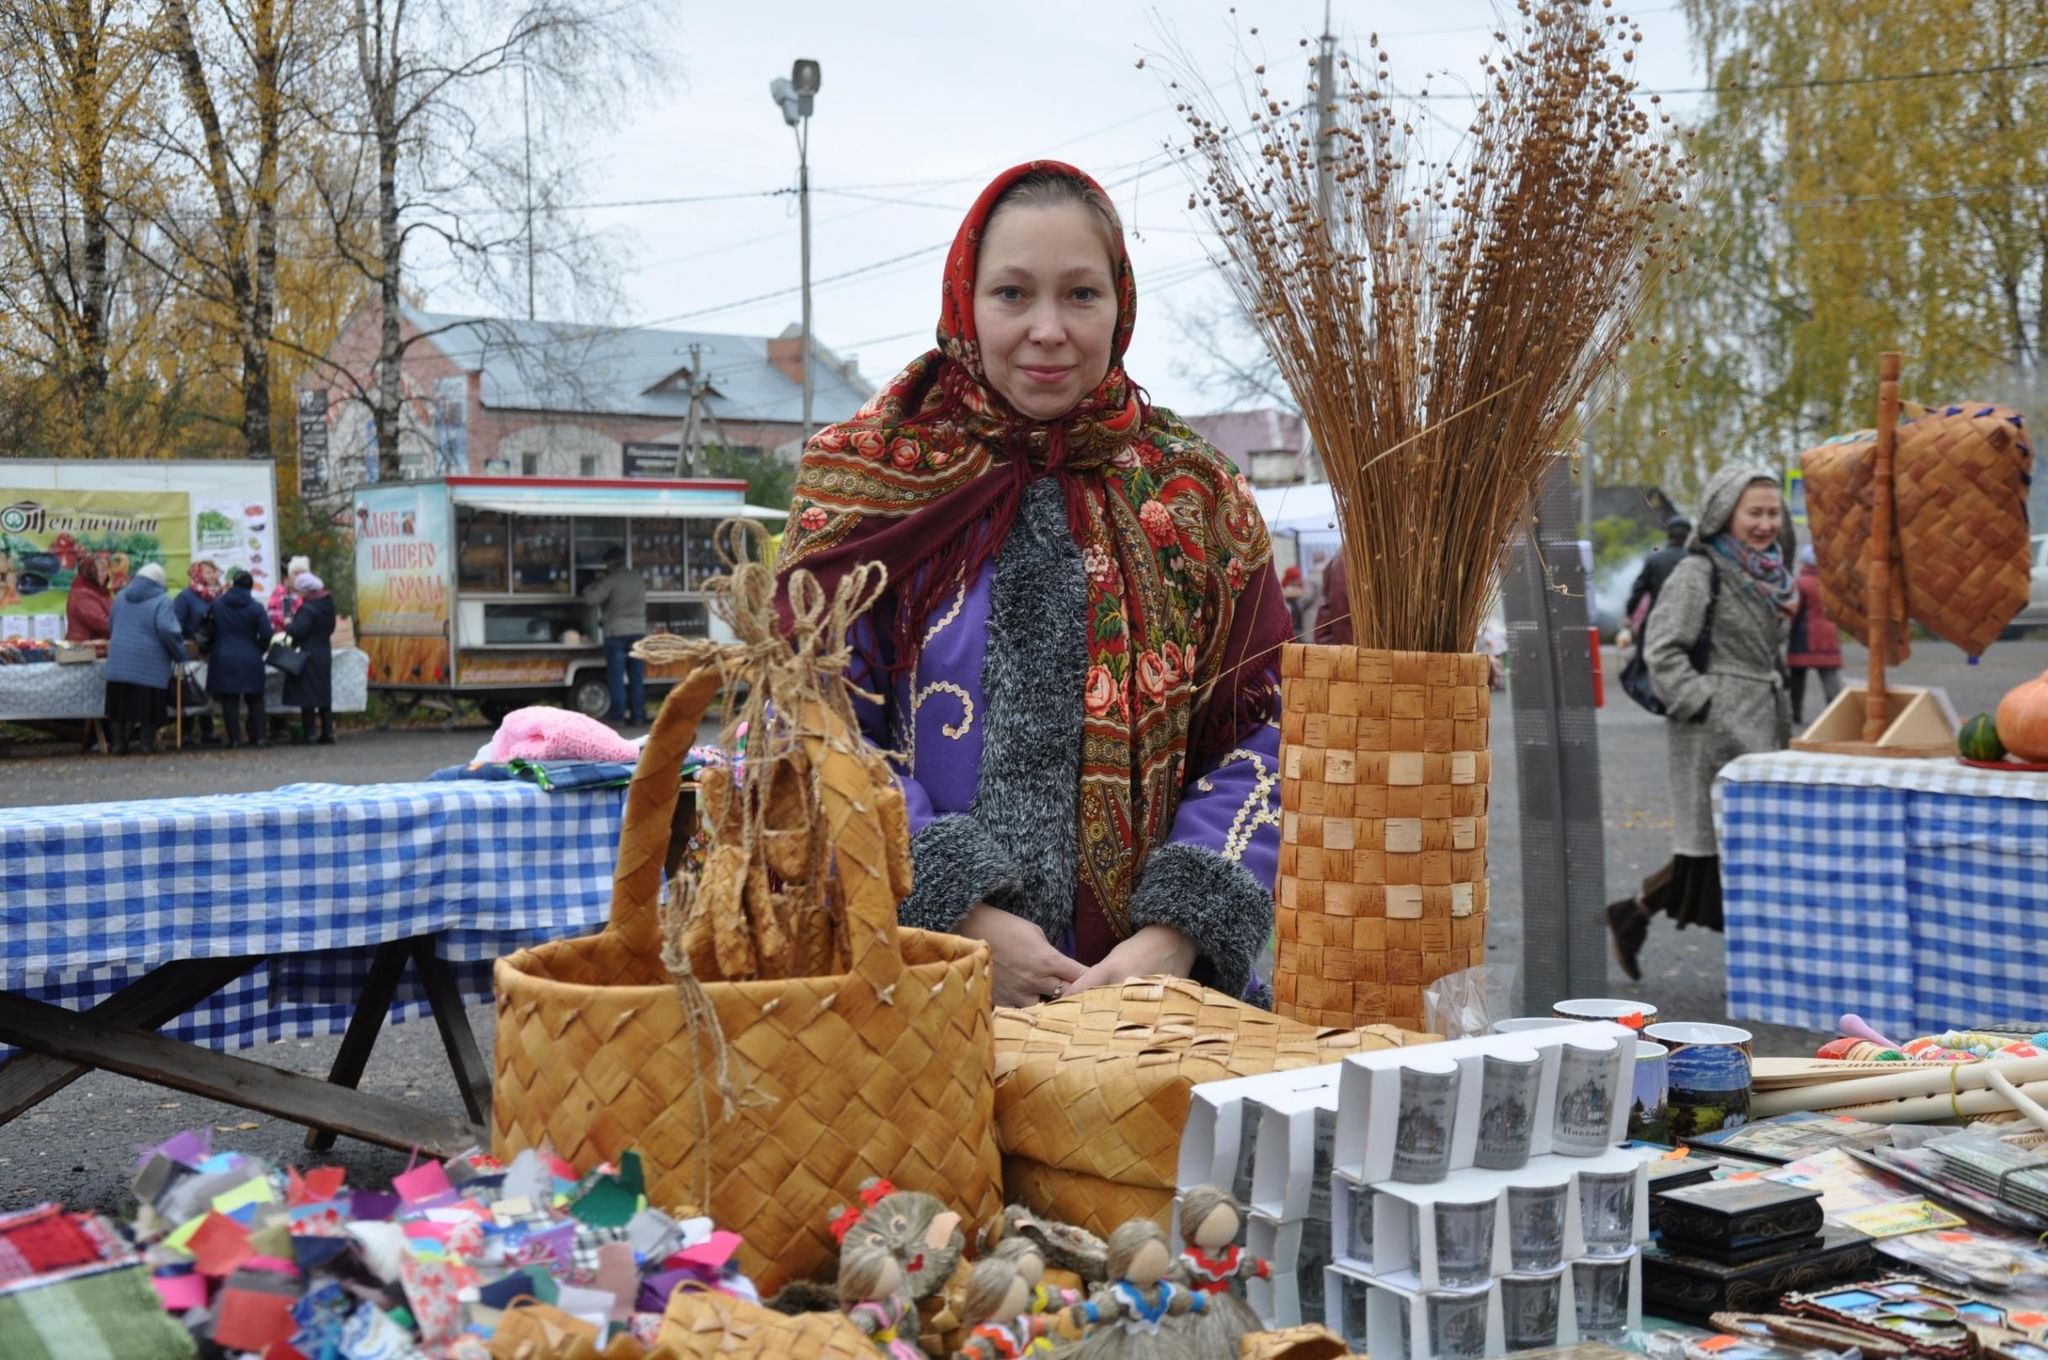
x=1715 y=645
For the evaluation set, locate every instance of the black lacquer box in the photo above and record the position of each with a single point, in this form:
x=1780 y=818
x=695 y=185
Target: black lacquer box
x=1734 y=1220
x=1690 y=1288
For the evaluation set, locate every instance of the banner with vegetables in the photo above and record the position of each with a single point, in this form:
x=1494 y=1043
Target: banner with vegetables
x=45 y=534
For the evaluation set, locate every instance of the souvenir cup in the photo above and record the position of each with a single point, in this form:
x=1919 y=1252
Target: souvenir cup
x=1634 y=1014
x=1457 y=1325
x=1600 y=1290
x=1709 y=1076
x=1247 y=1153
x=1536 y=1226
x=1507 y=1108
x=1607 y=1211
x=1464 y=1242
x=1429 y=1111
x=1648 y=1118
x=1584 y=1119
x=1523 y=1023
x=1529 y=1305
x=1325 y=1162
x=1357 y=1311
x=1360 y=1238
x=1311 y=1266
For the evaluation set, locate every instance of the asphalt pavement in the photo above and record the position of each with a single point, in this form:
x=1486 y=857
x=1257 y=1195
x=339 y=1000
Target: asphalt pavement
x=79 y=1146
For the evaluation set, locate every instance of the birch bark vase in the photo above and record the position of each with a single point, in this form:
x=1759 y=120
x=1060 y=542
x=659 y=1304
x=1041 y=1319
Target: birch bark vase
x=1384 y=773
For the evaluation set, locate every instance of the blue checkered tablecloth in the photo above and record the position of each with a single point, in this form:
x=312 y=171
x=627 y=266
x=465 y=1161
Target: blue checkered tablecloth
x=1907 y=891
x=311 y=876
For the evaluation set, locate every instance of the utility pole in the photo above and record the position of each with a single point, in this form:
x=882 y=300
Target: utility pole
x=526 y=113
x=1326 y=117
x=803 y=198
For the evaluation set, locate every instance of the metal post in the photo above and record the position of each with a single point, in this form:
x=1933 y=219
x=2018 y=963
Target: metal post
x=803 y=194
x=1563 y=877
x=1326 y=108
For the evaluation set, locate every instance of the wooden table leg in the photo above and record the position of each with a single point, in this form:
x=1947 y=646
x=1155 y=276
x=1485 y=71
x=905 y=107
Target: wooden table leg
x=373 y=1007
x=91 y=1042
x=155 y=999
x=472 y=1078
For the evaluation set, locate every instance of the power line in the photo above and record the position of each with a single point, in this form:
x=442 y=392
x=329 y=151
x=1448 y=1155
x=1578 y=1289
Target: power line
x=1818 y=83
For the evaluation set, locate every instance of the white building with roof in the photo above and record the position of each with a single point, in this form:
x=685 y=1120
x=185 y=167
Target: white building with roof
x=494 y=395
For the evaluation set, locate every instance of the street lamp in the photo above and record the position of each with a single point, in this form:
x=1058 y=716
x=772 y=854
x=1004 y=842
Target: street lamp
x=796 y=95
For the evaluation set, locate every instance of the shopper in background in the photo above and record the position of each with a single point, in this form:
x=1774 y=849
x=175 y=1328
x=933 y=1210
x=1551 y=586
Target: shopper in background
x=234 y=668
x=620 y=596
x=143 y=654
x=1816 y=644
x=194 y=608
x=282 y=601
x=87 y=607
x=311 y=691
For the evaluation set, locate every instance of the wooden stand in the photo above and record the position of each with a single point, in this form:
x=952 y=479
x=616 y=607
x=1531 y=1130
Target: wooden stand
x=1865 y=722
x=1924 y=726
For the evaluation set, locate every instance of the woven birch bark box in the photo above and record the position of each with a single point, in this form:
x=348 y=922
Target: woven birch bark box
x=1382 y=885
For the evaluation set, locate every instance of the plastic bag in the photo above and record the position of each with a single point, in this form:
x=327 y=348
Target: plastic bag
x=1464 y=1004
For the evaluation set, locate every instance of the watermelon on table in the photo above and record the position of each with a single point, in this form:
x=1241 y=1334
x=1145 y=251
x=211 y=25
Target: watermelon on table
x=1979 y=739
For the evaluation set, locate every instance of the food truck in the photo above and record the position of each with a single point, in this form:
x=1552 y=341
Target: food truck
x=470 y=586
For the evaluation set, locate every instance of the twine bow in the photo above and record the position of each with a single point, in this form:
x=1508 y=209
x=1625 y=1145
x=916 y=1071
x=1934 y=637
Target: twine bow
x=761 y=905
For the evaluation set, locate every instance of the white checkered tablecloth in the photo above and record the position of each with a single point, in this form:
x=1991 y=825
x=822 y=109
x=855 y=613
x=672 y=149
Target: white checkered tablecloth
x=46 y=691
x=1907 y=891
x=311 y=876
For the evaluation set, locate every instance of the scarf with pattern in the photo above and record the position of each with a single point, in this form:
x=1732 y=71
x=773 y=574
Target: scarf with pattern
x=1761 y=569
x=927 y=478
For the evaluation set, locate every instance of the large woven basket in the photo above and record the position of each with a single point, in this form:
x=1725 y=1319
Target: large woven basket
x=1310 y=1341
x=1961 y=557
x=1384 y=768
x=702 y=1323
x=881 y=1071
x=1092 y=1090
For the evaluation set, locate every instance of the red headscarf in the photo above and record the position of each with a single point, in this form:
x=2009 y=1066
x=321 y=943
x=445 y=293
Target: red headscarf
x=927 y=479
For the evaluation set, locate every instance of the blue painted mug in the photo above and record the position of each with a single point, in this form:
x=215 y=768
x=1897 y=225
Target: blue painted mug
x=1709 y=1076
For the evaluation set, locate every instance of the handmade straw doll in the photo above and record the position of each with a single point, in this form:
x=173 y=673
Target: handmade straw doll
x=1136 y=1315
x=1211 y=1264
x=1029 y=1259
x=915 y=1228
x=871 y=1294
x=995 y=1308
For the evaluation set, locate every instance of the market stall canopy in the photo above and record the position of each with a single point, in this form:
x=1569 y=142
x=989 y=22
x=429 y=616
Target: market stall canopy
x=1305 y=508
x=637 y=506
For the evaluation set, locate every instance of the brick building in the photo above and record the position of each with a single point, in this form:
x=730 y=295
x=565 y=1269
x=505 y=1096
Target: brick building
x=491 y=395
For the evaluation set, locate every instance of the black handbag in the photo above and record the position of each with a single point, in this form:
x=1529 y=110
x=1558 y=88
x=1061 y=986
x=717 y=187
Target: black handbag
x=203 y=632
x=286 y=658
x=1635 y=676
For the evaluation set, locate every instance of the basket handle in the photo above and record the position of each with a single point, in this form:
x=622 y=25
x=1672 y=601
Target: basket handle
x=650 y=810
x=850 y=807
x=851 y=812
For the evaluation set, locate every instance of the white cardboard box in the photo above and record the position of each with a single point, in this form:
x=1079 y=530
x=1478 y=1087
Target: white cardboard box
x=1395 y=1202
x=1369 y=1092
x=1368 y=1312
x=1213 y=1148
x=1298 y=1252
x=1297 y=1145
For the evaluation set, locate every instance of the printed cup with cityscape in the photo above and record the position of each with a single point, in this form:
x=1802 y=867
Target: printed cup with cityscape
x=1529 y=1306
x=1359 y=1240
x=1648 y=1115
x=1583 y=1122
x=1607 y=1211
x=1457 y=1325
x=1464 y=1242
x=1508 y=1089
x=1429 y=1112
x=1536 y=1227
x=1600 y=1296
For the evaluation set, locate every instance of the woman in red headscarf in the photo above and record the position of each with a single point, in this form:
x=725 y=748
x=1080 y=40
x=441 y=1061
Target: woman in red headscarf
x=1076 y=656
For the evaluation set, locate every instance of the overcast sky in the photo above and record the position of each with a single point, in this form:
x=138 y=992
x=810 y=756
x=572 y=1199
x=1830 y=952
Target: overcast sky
x=922 y=103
